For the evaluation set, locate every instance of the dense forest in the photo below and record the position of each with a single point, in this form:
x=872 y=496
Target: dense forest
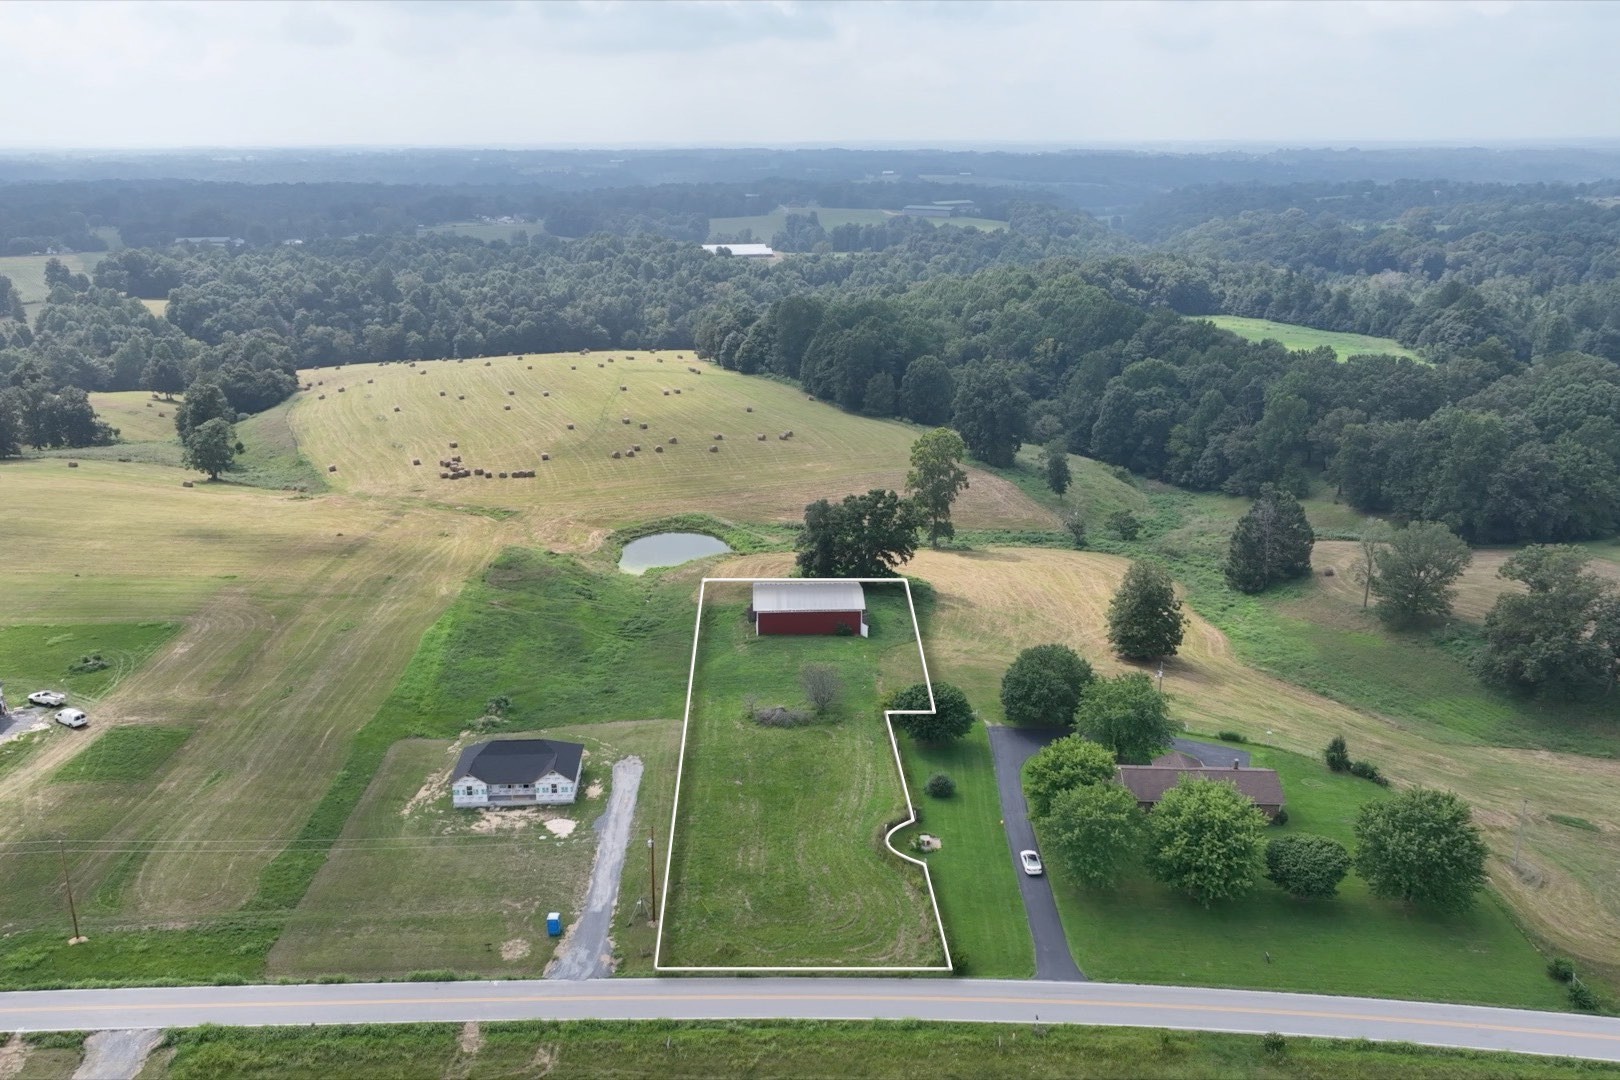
x=1058 y=328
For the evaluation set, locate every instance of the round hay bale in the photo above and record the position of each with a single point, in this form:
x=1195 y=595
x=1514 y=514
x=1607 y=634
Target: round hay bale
x=461 y=397
x=750 y=408
x=416 y=461
x=73 y=464
x=163 y=414
x=531 y=367
x=331 y=468
x=511 y=393
x=623 y=387
x=508 y=408
x=320 y=382
x=570 y=427
x=616 y=455
x=760 y=436
x=637 y=446
x=444 y=476
x=149 y=404
x=573 y=367
x=666 y=393
x=601 y=365
x=441 y=392
x=660 y=359
x=714 y=449
x=718 y=437
x=545 y=457
x=340 y=389
x=486 y=363
x=421 y=373
x=396 y=408
x=545 y=393
x=677 y=391
x=455 y=446
x=790 y=433
x=318 y=397
x=658 y=449
x=629 y=453
x=187 y=483
x=624 y=419
x=459 y=360
x=610 y=360
x=643 y=427
x=673 y=440
x=503 y=476
x=368 y=382
x=478 y=472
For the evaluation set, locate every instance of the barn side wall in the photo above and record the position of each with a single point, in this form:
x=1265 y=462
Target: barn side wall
x=808 y=622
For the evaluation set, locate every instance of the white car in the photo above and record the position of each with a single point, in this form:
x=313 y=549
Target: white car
x=72 y=718
x=1031 y=863
x=48 y=698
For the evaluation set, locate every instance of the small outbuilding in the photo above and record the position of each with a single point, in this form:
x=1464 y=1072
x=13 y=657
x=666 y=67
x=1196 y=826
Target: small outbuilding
x=809 y=607
x=517 y=772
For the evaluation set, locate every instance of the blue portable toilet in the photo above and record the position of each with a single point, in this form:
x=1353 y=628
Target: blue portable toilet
x=554 y=924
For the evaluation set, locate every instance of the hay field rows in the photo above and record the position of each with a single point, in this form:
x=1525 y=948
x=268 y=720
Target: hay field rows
x=498 y=413
x=994 y=602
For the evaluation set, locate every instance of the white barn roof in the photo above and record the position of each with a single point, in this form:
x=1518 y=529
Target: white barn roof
x=809 y=596
x=745 y=251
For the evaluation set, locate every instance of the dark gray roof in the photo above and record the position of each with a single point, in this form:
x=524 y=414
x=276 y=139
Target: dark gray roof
x=518 y=761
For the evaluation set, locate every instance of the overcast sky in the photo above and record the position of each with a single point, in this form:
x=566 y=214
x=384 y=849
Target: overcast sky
x=463 y=72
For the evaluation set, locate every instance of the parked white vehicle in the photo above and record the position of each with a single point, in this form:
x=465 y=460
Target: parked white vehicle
x=1032 y=863
x=72 y=718
x=48 y=698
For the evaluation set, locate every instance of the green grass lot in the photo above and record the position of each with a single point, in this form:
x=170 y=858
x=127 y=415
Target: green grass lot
x=1305 y=337
x=27 y=272
x=126 y=755
x=480 y=230
x=1353 y=944
x=973 y=870
x=793 y=1049
x=767 y=225
x=809 y=881
x=37 y=656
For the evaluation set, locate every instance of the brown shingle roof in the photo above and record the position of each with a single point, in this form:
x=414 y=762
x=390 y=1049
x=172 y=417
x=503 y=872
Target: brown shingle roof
x=1149 y=782
x=1175 y=759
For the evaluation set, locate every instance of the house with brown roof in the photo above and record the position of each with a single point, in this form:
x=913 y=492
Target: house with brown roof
x=1149 y=782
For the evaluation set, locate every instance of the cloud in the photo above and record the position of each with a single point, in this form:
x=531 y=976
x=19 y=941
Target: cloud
x=609 y=72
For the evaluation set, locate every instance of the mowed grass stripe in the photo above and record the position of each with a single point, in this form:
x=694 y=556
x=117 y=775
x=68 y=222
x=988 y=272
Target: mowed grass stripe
x=582 y=489
x=778 y=858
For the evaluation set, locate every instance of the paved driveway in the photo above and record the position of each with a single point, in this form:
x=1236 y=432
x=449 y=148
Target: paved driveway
x=1215 y=755
x=1012 y=747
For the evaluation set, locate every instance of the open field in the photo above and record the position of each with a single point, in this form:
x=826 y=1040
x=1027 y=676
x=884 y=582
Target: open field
x=480 y=230
x=809 y=881
x=582 y=491
x=1353 y=944
x=41 y=656
x=27 y=272
x=1306 y=337
x=790 y=1050
x=767 y=225
x=136 y=415
x=158 y=306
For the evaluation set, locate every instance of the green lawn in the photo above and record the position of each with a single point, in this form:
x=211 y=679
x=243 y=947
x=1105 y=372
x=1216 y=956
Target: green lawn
x=36 y=656
x=765 y=226
x=1354 y=944
x=480 y=230
x=1305 y=337
x=125 y=755
x=794 y=1049
x=778 y=856
x=973 y=871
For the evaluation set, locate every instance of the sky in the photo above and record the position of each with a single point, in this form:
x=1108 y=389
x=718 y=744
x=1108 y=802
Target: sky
x=774 y=72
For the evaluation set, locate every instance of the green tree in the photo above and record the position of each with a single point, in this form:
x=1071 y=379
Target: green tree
x=879 y=399
x=164 y=374
x=1542 y=639
x=11 y=423
x=1043 y=686
x=1075 y=523
x=927 y=391
x=1096 y=831
x=1064 y=764
x=1144 y=618
x=1421 y=846
x=863 y=536
x=1414 y=572
x=1204 y=839
x=1127 y=714
x=992 y=412
x=1337 y=754
x=1306 y=867
x=204 y=401
x=1124 y=525
x=1272 y=543
x=1055 y=465
x=952 y=717
x=210 y=447
x=935 y=480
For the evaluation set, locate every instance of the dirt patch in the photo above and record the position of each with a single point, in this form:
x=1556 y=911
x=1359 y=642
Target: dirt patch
x=13 y=1056
x=516 y=949
x=545 y=1059
x=560 y=826
x=594 y=791
x=471 y=1039
x=494 y=821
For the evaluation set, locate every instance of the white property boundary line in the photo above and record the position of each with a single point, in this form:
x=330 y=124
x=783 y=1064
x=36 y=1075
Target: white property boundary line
x=894 y=744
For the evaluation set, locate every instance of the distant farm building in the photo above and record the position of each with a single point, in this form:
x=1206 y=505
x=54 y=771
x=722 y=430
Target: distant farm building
x=517 y=772
x=1150 y=782
x=809 y=607
x=742 y=251
x=926 y=210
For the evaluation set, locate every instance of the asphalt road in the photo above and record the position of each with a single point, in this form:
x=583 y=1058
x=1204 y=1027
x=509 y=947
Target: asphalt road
x=586 y=952
x=995 y=1001
x=1011 y=747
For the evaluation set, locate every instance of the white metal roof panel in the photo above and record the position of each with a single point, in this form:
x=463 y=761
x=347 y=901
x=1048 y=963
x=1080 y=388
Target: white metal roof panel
x=809 y=596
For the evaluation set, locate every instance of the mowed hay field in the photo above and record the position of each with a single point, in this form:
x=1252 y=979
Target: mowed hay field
x=995 y=602
x=499 y=414
x=778 y=857
x=136 y=415
x=765 y=226
x=1307 y=337
x=27 y=272
x=298 y=614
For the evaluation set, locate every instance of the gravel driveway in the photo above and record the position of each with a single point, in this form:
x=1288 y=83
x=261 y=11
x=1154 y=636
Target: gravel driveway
x=585 y=952
x=117 y=1055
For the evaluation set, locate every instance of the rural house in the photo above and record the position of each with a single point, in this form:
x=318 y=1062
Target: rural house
x=1149 y=782
x=517 y=772
x=809 y=607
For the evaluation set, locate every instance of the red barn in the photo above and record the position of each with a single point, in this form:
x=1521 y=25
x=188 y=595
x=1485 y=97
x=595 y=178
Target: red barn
x=809 y=607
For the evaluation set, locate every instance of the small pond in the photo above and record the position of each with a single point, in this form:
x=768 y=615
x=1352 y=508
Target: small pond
x=668 y=549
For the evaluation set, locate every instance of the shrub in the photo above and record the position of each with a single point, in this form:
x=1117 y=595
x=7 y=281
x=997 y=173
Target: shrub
x=1282 y=816
x=940 y=786
x=822 y=685
x=1124 y=524
x=1231 y=736
x=1307 y=867
x=1368 y=771
x=1581 y=996
x=87 y=664
x=952 y=718
x=1561 y=969
x=1337 y=755
x=1075 y=523
x=780 y=716
x=1273 y=1043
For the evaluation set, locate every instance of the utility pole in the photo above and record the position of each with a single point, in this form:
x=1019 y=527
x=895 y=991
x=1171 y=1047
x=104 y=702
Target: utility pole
x=67 y=884
x=1161 y=676
x=652 y=872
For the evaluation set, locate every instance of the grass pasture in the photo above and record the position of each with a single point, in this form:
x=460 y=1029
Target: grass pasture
x=1296 y=337
x=136 y=415
x=27 y=272
x=789 y=1050
x=808 y=882
x=583 y=492
x=1353 y=944
x=129 y=754
x=482 y=230
x=765 y=226
x=41 y=656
